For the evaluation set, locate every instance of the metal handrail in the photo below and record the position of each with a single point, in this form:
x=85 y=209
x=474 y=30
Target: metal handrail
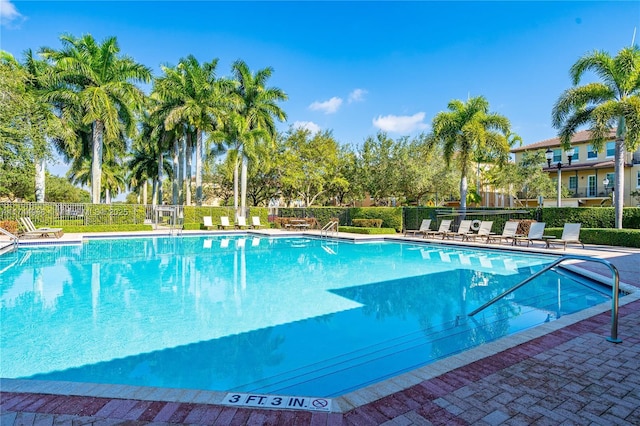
x=329 y=227
x=12 y=237
x=614 y=297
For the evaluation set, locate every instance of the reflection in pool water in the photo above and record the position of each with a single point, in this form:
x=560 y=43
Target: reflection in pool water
x=295 y=316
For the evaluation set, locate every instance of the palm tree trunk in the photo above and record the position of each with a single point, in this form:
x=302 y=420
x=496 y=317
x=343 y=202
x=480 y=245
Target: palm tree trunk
x=158 y=191
x=235 y=185
x=463 y=193
x=154 y=193
x=96 y=162
x=198 y=167
x=107 y=196
x=189 y=155
x=144 y=192
x=618 y=193
x=244 y=187
x=176 y=172
x=40 y=179
x=181 y=146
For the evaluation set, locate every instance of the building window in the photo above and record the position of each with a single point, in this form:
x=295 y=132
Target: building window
x=573 y=183
x=575 y=157
x=611 y=149
x=591 y=152
x=557 y=156
x=638 y=180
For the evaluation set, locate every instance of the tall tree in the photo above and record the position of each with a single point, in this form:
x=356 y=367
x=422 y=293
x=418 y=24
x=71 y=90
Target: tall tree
x=304 y=176
x=259 y=107
x=39 y=121
x=96 y=77
x=195 y=99
x=614 y=102
x=467 y=129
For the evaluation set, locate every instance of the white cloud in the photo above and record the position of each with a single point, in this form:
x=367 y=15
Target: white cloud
x=357 y=95
x=328 y=107
x=401 y=123
x=8 y=13
x=309 y=125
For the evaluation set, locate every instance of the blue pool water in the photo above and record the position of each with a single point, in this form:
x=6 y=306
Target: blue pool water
x=296 y=316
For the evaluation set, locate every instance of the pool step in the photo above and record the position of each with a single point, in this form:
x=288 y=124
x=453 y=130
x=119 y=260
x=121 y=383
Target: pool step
x=363 y=366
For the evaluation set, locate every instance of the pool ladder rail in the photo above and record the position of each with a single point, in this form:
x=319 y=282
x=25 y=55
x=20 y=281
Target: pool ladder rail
x=614 y=297
x=14 y=239
x=331 y=227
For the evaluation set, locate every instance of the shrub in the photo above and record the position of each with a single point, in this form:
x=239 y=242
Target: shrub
x=369 y=231
x=367 y=223
x=607 y=237
x=107 y=228
x=391 y=216
x=9 y=226
x=590 y=217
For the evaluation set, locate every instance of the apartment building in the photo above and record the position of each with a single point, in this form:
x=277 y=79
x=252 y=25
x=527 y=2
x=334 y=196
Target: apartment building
x=590 y=176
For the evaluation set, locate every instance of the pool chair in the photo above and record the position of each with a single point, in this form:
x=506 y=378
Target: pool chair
x=442 y=229
x=483 y=232
x=424 y=227
x=255 y=222
x=508 y=233
x=224 y=222
x=30 y=230
x=570 y=235
x=536 y=232
x=463 y=230
x=241 y=222
x=207 y=222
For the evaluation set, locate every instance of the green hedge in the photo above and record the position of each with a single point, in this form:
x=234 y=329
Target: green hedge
x=607 y=237
x=391 y=216
x=369 y=231
x=367 y=223
x=589 y=217
x=106 y=228
x=322 y=214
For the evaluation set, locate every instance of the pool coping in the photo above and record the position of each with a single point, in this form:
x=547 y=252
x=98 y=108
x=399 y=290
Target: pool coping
x=343 y=403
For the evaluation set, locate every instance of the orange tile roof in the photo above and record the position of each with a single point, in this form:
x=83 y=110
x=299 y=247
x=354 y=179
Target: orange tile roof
x=581 y=136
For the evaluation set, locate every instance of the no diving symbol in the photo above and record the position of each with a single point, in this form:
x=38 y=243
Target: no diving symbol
x=319 y=403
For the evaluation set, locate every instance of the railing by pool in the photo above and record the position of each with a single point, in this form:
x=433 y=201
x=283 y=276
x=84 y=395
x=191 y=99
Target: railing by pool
x=614 y=297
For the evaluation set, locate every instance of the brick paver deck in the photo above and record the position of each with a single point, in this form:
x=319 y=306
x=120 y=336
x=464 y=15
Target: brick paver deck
x=569 y=376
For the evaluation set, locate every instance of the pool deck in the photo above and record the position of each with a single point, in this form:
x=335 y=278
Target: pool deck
x=562 y=372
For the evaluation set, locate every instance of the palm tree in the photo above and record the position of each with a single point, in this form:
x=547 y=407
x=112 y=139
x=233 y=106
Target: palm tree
x=259 y=106
x=196 y=100
x=467 y=129
x=96 y=77
x=43 y=124
x=613 y=102
x=238 y=141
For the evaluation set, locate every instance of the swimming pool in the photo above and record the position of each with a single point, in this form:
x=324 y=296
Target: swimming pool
x=296 y=316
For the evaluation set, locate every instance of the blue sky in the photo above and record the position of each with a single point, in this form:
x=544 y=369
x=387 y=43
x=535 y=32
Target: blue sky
x=357 y=68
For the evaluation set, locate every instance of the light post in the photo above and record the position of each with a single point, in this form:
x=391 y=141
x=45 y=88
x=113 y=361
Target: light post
x=605 y=182
x=549 y=156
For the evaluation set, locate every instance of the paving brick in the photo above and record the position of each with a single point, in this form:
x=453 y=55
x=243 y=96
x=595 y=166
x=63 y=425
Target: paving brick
x=496 y=417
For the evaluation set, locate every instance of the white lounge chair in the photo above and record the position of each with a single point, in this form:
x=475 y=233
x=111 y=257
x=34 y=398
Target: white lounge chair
x=241 y=222
x=424 y=227
x=570 y=234
x=442 y=229
x=255 y=222
x=483 y=232
x=30 y=229
x=463 y=230
x=207 y=222
x=224 y=222
x=508 y=233
x=536 y=232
